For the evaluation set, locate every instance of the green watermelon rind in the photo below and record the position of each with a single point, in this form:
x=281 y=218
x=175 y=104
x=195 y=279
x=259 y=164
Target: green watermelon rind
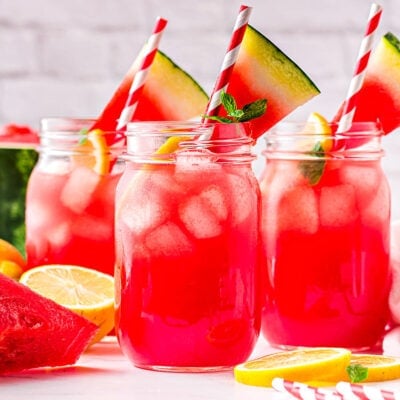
x=190 y=77
x=281 y=56
x=393 y=40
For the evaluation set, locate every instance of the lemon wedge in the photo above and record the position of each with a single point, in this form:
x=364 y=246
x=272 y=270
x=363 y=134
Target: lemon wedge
x=101 y=151
x=93 y=153
x=87 y=292
x=303 y=365
x=320 y=126
x=171 y=144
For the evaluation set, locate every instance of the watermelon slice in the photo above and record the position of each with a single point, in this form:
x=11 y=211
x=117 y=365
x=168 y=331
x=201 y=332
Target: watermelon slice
x=14 y=135
x=379 y=96
x=264 y=71
x=37 y=332
x=169 y=94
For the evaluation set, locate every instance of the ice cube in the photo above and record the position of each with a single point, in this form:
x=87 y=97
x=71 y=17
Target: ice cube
x=376 y=211
x=364 y=177
x=192 y=165
x=298 y=210
x=146 y=201
x=79 y=188
x=213 y=197
x=199 y=219
x=37 y=215
x=168 y=240
x=60 y=235
x=242 y=195
x=338 y=206
x=143 y=214
x=54 y=166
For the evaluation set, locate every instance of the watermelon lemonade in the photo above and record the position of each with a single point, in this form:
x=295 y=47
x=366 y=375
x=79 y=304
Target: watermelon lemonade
x=187 y=237
x=326 y=209
x=70 y=197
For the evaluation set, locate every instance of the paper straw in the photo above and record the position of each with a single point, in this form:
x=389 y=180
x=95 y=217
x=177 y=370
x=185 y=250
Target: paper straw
x=304 y=392
x=365 y=392
x=140 y=76
x=360 y=70
x=229 y=60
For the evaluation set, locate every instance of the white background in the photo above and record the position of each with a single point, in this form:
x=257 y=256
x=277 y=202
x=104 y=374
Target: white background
x=65 y=57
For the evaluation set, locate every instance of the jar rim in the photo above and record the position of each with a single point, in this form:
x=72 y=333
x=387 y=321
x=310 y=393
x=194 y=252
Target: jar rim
x=65 y=124
x=360 y=128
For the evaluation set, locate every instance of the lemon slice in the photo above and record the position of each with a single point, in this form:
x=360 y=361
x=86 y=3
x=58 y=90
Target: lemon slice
x=171 y=144
x=101 y=152
x=304 y=365
x=320 y=126
x=94 y=153
x=85 y=291
x=380 y=368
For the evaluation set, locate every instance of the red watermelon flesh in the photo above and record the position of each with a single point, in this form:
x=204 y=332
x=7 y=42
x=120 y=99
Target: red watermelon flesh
x=169 y=93
x=14 y=135
x=262 y=71
x=37 y=332
x=379 y=96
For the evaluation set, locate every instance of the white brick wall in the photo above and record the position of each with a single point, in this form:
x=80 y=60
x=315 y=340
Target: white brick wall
x=65 y=57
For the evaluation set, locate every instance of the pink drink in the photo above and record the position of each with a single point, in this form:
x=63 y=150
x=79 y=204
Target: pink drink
x=187 y=261
x=327 y=248
x=70 y=206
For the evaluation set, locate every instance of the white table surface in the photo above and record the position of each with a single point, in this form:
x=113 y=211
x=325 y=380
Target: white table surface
x=104 y=373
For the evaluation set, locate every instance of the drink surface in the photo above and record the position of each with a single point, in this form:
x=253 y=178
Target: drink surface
x=326 y=248
x=187 y=263
x=70 y=216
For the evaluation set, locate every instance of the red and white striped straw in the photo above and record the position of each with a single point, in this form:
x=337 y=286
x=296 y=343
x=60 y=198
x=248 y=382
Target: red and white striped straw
x=304 y=392
x=140 y=76
x=361 y=66
x=365 y=392
x=229 y=61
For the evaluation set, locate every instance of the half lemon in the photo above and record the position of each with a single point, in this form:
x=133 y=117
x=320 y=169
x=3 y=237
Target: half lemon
x=85 y=291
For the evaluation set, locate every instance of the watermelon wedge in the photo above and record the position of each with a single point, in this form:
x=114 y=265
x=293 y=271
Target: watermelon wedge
x=379 y=96
x=18 y=136
x=37 y=332
x=169 y=94
x=264 y=71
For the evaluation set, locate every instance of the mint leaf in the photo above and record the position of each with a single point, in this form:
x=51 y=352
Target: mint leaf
x=228 y=102
x=313 y=169
x=357 y=373
x=250 y=111
x=83 y=135
x=253 y=110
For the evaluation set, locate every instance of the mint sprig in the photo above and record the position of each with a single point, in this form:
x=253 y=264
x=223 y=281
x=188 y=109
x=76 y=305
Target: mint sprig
x=234 y=114
x=313 y=169
x=357 y=373
x=83 y=135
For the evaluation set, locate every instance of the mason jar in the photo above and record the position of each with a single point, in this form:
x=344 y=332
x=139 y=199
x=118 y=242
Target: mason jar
x=70 y=196
x=187 y=239
x=325 y=232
